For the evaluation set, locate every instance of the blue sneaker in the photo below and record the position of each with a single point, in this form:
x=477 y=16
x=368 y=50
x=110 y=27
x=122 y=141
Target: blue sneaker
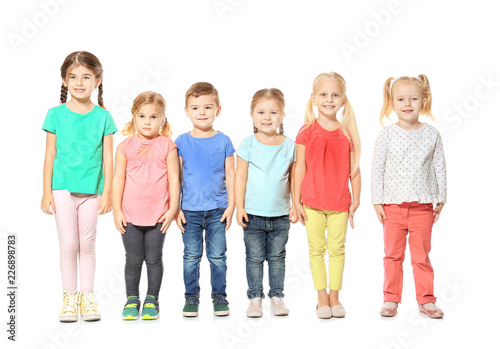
x=150 y=309
x=131 y=309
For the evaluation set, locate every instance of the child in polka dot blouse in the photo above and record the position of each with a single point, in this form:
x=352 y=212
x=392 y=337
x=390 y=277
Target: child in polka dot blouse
x=408 y=177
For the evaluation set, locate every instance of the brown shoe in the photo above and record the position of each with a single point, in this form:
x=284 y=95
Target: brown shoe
x=431 y=310
x=389 y=309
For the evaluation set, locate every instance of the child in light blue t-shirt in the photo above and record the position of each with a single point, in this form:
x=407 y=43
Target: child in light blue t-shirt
x=207 y=163
x=262 y=190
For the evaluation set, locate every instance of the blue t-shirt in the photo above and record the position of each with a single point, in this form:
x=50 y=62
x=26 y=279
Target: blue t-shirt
x=267 y=191
x=203 y=171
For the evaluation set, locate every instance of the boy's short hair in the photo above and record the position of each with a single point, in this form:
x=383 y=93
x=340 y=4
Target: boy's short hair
x=202 y=89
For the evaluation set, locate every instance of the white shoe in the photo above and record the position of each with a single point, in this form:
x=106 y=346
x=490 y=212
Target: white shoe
x=338 y=310
x=255 y=307
x=88 y=307
x=278 y=307
x=69 y=312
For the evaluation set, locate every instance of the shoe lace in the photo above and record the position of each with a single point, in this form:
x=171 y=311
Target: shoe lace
x=192 y=300
x=69 y=302
x=220 y=299
x=88 y=302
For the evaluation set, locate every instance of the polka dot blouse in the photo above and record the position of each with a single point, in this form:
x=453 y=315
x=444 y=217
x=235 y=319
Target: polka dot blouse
x=408 y=166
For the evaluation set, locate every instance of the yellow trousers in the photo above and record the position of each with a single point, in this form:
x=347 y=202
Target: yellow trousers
x=335 y=223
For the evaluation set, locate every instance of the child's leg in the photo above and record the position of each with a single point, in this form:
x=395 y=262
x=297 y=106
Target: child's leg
x=87 y=228
x=395 y=231
x=133 y=241
x=337 y=228
x=420 y=226
x=193 y=250
x=67 y=231
x=277 y=238
x=216 y=250
x=153 y=246
x=315 y=227
x=255 y=248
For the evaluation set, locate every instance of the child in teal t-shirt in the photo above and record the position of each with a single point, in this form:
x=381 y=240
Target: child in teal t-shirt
x=77 y=178
x=262 y=193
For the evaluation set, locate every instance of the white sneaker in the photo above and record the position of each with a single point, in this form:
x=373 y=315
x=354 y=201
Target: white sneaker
x=278 y=307
x=255 y=307
x=69 y=312
x=88 y=307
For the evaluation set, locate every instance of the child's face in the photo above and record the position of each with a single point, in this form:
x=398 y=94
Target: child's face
x=267 y=116
x=148 y=122
x=202 y=111
x=80 y=82
x=328 y=97
x=407 y=101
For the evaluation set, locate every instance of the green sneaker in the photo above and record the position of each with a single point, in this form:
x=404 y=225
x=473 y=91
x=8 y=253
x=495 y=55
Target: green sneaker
x=220 y=305
x=131 y=309
x=191 y=306
x=150 y=309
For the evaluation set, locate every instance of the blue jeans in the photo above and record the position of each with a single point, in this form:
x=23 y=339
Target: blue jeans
x=265 y=239
x=215 y=235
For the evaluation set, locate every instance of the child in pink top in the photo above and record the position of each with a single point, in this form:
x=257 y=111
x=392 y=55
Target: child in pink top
x=145 y=198
x=327 y=158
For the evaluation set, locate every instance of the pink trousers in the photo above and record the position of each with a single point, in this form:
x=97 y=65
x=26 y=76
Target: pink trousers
x=413 y=219
x=76 y=221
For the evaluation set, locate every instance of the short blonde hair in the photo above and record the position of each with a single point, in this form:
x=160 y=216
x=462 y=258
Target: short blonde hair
x=202 y=89
x=421 y=81
x=149 y=97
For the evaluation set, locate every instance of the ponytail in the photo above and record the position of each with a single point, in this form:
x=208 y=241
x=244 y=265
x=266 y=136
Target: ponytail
x=427 y=95
x=350 y=129
x=386 y=108
x=99 y=96
x=64 y=94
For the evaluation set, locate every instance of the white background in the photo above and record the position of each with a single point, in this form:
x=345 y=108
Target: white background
x=240 y=48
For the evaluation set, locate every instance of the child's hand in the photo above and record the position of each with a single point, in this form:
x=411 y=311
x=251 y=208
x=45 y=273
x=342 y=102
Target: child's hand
x=47 y=203
x=228 y=217
x=301 y=214
x=292 y=216
x=240 y=214
x=354 y=206
x=179 y=220
x=104 y=204
x=437 y=211
x=379 y=210
x=120 y=221
x=166 y=219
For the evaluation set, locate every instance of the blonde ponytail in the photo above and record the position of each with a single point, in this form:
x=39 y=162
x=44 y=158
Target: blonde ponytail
x=387 y=107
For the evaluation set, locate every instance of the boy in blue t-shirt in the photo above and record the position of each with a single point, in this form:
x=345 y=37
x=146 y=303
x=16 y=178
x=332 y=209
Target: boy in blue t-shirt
x=207 y=163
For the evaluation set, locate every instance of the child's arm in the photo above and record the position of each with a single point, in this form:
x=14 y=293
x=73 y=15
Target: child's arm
x=377 y=176
x=107 y=159
x=230 y=174
x=239 y=190
x=356 y=192
x=173 y=190
x=440 y=170
x=292 y=216
x=117 y=192
x=48 y=166
x=179 y=218
x=298 y=178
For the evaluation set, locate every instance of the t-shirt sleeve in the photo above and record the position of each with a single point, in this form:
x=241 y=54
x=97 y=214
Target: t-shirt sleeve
x=178 y=143
x=244 y=150
x=229 y=147
x=294 y=158
x=109 y=127
x=49 y=124
x=302 y=135
x=122 y=148
x=170 y=146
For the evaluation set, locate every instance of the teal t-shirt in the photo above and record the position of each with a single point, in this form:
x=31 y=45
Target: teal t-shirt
x=78 y=163
x=267 y=191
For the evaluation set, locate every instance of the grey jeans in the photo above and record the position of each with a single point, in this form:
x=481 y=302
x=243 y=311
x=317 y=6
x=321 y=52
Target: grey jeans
x=143 y=244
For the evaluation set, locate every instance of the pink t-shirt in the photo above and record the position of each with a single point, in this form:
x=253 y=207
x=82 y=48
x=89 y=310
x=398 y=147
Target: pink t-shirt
x=326 y=182
x=145 y=196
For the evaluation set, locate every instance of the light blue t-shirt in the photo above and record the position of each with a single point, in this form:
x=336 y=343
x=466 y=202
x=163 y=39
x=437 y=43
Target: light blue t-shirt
x=203 y=171
x=267 y=191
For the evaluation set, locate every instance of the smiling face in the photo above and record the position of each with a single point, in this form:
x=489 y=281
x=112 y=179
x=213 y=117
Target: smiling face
x=407 y=101
x=81 y=81
x=328 y=97
x=202 y=111
x=148 y=122
x=267 y=116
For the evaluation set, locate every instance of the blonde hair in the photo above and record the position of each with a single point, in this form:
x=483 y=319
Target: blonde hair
x=421 y=81
x=202 y=89
x=348 y=123
x=269 y=93
x=149 y=97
